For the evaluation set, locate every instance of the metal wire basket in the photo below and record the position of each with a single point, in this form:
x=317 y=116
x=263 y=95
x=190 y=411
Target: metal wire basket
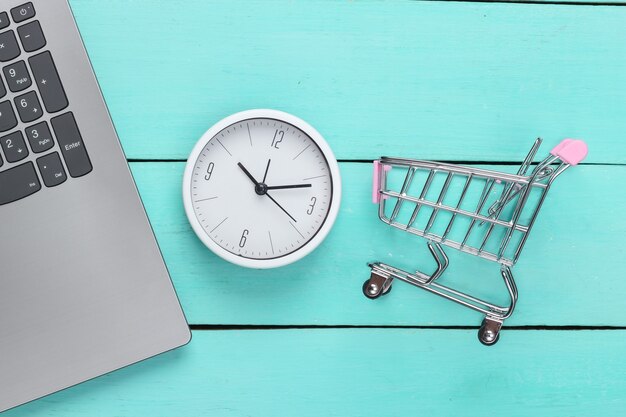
x=485 y=213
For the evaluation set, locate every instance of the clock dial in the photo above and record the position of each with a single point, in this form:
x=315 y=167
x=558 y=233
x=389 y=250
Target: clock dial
x=261 y=188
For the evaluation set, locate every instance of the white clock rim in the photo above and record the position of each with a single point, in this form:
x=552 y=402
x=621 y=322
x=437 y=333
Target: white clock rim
x=321 y=234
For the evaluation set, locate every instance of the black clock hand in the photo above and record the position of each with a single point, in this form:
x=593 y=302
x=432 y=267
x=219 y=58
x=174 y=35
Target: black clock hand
x=284 y=187
x=266 y=169
x=281 y=207
x=247 y=173
x=261 y=188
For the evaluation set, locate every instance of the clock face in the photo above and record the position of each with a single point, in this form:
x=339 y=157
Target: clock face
x=261 y=189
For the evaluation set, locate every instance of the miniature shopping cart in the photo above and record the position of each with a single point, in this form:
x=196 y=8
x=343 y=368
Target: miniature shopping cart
x=484 y=213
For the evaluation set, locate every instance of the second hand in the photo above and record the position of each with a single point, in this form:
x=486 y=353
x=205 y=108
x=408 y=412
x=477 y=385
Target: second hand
x=281 y=207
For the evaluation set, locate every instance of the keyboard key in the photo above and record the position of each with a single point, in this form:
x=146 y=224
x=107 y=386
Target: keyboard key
x=14 y=147
x=51 y=169
x=17 y=76
x=9 y=49
x=39 y=137
x=48 y=81
x=4 y=20
x=3 y=91
x=28 y=107
x=7 y=116
x=23 y=12
x=71 y=144
x=31 y=36
x=17 y=183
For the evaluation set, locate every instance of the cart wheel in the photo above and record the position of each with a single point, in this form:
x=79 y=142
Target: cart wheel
x=388 y=289
x=489 y=332
x=372 y=291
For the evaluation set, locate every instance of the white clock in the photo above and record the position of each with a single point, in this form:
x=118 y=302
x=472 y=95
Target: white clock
x=261 y=188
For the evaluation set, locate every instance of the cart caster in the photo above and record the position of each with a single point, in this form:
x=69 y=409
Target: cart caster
x=372 y=291
x=375 y=287
x=489 y=332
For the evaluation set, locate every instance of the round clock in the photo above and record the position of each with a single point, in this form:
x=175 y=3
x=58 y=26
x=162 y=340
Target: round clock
x=262 y=188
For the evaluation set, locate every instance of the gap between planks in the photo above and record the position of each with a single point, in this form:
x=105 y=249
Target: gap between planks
x=369 y=161
x=213 y=327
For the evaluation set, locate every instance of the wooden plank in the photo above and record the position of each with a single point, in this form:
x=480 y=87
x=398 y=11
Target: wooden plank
x=566 y=274
x=435 y=80
x=364 y=373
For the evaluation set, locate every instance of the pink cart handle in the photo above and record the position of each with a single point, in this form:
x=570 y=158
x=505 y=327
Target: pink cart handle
x=557 y=148
x=376 y=181
x=570 y=151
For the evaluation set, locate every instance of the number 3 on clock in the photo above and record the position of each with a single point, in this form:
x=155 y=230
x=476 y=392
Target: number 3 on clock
x=311 y=206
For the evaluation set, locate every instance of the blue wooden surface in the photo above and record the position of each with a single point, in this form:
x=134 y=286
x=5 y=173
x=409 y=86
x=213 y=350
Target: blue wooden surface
x=438 y=80
x=472 y=82
x=364 y=373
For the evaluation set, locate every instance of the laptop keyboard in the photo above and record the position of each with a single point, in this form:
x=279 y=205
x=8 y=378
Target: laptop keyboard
x=34 y=153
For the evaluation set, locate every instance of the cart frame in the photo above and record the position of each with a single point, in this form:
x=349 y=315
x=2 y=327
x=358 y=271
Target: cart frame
x=513 y=213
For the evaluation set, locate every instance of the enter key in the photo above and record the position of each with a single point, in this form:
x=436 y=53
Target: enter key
x=71 y=144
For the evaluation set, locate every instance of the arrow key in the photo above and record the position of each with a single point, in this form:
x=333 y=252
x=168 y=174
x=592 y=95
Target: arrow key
x=28 y=107
x=14 y=147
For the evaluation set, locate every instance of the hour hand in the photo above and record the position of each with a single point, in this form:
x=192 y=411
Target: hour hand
x=247 y=173
x=284 y=187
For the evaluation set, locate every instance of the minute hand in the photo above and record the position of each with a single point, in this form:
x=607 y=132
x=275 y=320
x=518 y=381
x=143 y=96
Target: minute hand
x=283 y=187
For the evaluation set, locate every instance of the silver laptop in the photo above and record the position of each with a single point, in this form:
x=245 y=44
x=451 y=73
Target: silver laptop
x=83 y=287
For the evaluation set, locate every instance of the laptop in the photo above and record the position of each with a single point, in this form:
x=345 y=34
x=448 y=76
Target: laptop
x=83 y=286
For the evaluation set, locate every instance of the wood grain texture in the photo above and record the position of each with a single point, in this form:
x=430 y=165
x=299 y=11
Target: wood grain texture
x=566 y=275
x=362 y=373
x=435 y=80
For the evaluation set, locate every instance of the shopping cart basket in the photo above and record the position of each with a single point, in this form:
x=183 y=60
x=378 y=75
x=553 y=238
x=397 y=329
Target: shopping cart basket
x=477 y=211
